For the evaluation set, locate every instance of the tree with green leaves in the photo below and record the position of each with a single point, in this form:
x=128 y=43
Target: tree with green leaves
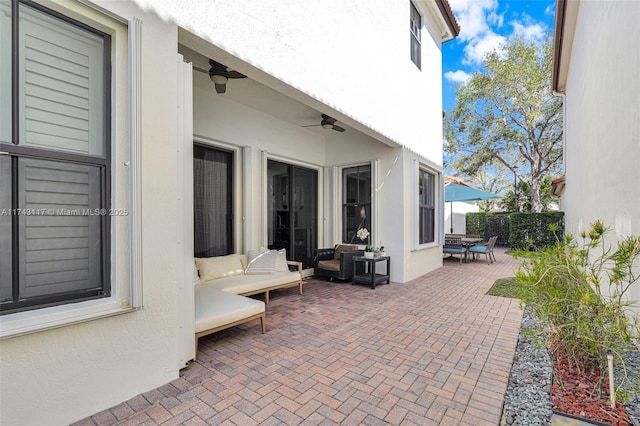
x=547 y=200
x=507 y=117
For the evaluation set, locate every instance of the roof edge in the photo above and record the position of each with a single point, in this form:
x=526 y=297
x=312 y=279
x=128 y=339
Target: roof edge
x=450 y=18
x=564 y=30
x=558 y=30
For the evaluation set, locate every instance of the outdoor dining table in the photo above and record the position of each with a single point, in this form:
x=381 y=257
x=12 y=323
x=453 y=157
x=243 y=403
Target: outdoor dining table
x=469 y=242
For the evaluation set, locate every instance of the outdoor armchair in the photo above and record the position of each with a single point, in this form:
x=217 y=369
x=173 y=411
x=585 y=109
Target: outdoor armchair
x=487 y=250
x=453 y=245
x=336 y=262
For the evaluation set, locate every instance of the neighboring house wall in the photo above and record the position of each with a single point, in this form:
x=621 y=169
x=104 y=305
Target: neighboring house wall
x=598 y=73
x=458 y=211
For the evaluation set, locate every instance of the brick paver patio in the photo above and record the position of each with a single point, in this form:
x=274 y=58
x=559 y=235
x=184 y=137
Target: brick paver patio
x=436 y=350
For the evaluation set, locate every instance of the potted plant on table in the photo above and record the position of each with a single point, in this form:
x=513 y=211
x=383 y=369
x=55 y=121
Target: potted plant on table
x=363 y=234
x=368 y=252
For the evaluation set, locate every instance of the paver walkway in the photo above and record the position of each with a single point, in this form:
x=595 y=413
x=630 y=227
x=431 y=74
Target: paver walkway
x=436 y=350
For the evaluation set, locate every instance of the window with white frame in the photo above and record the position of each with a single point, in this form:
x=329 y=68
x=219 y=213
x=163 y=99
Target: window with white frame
x=426 y=206
x=55 y=167
x=356 y=202
x=415 y=23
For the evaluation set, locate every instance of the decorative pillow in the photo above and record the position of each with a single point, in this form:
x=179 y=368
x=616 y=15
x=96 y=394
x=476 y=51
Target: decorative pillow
x=281 y=261
x=343 y=247
x=261 y=262
x=218 y=267
x=196 y=276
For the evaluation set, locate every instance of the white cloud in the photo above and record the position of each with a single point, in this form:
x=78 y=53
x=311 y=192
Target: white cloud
x=482 y=28
x=458 y=76
x=495 y=19
x=477 y=49
x=472 y=16
x=528 y=30
x=550 y=10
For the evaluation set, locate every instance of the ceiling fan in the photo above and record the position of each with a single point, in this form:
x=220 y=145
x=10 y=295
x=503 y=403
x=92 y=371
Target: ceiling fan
x=220 y=74
x=328 y=123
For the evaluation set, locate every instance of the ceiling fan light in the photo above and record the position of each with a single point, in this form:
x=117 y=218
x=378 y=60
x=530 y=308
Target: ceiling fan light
x=327 y=125
x=219 y=79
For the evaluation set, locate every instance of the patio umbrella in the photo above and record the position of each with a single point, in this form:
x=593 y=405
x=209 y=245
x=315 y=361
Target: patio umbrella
x=456 y=192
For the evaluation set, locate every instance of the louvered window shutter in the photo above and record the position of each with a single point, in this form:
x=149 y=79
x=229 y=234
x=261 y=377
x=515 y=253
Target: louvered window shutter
x=61 y=101
x=55 y=174
x=61 y=252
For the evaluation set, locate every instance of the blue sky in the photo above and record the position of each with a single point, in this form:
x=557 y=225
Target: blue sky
x=485 y=24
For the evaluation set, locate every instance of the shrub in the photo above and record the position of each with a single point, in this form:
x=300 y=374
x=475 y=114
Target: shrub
x=532 y=230
x=580 y=291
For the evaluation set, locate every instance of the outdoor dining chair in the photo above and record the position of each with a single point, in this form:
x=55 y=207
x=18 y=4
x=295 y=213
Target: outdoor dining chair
x=487 y=250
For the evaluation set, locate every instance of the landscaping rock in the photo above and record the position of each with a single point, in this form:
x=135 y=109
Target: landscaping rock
x=528 y=397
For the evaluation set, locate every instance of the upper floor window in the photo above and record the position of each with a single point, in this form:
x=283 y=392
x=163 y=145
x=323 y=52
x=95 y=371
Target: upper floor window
x=356 y=202
x=426 y=206
x=55 y=166
x=415 y=22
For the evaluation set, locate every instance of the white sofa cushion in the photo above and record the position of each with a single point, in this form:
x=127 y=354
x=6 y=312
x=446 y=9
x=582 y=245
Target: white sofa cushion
x=241 y=284
x=261 y=262
x=219 y=267
x=215 y=308
x=281 y=261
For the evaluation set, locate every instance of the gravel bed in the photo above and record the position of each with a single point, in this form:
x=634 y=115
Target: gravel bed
x=528 y=397
x=631 y=385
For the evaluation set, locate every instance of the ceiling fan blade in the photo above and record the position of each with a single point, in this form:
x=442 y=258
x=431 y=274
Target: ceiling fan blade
x=235 y=74
x=221 y=88
x=338 y=128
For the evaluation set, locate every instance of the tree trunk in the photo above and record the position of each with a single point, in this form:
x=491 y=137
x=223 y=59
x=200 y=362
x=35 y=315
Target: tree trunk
x=536 y=206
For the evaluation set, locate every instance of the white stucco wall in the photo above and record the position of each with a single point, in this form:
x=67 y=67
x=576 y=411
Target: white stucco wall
x=225 y=123
x=353 y=56
x=65 y=374
x=457 y=210
x=350 y=58
x=603 y=120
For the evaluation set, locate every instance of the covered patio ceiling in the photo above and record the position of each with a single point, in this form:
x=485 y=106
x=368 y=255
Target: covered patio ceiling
x=255 y=95
x=269 y=95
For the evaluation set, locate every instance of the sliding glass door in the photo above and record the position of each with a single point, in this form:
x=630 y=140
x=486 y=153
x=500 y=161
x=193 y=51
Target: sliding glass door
x=292 y=210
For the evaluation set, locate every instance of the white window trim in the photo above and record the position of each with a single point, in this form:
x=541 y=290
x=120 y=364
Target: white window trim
x=438 y=206
x=125 y=296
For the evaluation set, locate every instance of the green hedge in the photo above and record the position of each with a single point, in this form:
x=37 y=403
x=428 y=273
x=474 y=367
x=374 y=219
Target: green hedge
x=526 y=230
x=532 y=230
x=475 y=222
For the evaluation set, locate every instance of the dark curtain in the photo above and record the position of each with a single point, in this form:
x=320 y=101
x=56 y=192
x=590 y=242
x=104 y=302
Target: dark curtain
x=212 y=183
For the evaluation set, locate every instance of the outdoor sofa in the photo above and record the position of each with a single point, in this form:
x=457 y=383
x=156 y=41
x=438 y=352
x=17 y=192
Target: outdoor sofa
x=223 y=282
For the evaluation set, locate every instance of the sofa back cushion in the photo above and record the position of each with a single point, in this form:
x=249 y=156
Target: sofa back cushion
x=279 y=257
x=261 y=262
x=210 y=268
x=343 y=247
x=281 y=261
